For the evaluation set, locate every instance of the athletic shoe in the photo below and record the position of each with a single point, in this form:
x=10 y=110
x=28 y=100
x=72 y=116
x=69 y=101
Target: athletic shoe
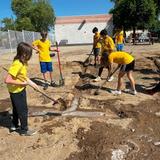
x=133 y=92
x=13 y=128
x=116 y=92
x=97 y=79
x=53 y=84
x=110 y=79
x=27 y=133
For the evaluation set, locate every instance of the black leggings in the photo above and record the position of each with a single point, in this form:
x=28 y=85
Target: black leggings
x=20 y=109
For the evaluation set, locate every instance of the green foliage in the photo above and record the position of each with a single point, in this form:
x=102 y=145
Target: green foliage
x=134 y=14
x=8 y=24
x=24 y=24
x=21 y=8
x=35 y=15
x=42 y=16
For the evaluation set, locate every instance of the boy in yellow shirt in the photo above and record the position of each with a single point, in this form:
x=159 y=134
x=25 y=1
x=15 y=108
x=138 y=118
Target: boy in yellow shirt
x=107 y=46
x=119 y=40
x=17 y=81
x=43 y=47
x=96 y=45
x=127 y=63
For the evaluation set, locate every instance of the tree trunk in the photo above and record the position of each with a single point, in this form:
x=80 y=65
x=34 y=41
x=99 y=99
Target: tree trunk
x=134 y=35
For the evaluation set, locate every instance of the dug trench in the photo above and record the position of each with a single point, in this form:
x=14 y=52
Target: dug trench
x=124 y=131
x=108 y=138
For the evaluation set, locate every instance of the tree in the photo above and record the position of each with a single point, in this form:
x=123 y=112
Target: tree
x=134 y=14
x=21 y=8
x=8 y=24
x=34 y=15
x=24 y=24
x=42 y=16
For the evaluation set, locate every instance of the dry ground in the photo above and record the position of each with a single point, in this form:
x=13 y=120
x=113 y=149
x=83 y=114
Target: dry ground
x=129 y=127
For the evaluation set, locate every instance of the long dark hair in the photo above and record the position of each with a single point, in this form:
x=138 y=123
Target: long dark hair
x=24 y=52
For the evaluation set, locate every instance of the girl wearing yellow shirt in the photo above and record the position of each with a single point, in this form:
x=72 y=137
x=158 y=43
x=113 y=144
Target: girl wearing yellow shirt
x=17 y=81
x=127 y=63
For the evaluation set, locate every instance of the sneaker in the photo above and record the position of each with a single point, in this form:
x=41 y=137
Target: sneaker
x=45 y=86
x=53 y=84
x=110 y=79
x=116 y=92
x=134 y=92
x=27 y=133
x=97 y=79
x=13 y=128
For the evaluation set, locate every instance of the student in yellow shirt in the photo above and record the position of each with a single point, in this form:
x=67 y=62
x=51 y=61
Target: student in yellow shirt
x=107 y=46
x=43 y=47
x=96 y=45
x=119 y=40
x=127 y=63
x=17 y=81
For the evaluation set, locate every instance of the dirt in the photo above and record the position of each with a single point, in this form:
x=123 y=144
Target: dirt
x=128 y=129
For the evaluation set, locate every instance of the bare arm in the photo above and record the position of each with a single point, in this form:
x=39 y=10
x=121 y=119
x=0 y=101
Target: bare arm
x=110 y=72
x=10 y=80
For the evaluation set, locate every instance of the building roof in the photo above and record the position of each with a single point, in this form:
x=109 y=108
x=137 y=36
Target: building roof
x=87 y=18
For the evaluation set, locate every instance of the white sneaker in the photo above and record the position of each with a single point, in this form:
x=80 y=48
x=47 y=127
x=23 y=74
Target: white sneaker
x=110 y=79
x=133 y=92
x=97 y=79
x=116 y=92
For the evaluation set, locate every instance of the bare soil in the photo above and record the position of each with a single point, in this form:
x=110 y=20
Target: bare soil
x=103 y=127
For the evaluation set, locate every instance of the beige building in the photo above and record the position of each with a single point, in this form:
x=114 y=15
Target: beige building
x=78 y=29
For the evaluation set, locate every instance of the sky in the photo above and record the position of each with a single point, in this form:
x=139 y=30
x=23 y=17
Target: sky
x=66 y=7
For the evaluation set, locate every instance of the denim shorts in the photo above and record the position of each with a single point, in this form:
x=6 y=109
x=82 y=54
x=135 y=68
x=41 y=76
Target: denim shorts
x=46 y=67
x=120 y=47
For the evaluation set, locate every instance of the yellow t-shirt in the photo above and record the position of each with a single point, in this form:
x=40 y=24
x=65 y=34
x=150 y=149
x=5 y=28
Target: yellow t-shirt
x=119 y=39
x=120 y=57
x=18 y=71
x=96 y=42
x=107 y=44
x=44 y=55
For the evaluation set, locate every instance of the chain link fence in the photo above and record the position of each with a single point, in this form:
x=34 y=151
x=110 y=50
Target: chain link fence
x=10 y=39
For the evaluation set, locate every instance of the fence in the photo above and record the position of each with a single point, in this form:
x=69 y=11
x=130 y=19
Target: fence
x=10 y=39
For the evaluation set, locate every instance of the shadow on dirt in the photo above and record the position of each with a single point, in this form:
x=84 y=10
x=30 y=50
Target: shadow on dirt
x=84 y=75
x=146 y=71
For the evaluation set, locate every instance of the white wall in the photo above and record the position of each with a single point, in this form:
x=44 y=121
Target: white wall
x=75 y=34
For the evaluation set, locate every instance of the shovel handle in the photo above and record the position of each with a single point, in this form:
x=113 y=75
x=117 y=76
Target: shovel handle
x=36 y=89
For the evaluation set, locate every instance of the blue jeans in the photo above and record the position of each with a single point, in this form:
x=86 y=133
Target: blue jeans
x=120 y=47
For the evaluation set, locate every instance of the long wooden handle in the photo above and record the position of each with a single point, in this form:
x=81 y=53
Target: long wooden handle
x=107 y=79
x=36 y=89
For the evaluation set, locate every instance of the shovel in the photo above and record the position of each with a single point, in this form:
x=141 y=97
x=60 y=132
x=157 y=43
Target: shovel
x=61 y=80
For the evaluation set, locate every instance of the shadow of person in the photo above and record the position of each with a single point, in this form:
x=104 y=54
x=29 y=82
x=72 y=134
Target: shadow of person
x=38 y=81
x=84 y=75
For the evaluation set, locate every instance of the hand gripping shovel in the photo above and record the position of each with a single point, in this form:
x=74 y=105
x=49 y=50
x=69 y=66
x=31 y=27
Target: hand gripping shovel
x=36 y=88
x=61 y=80
x=101 y=86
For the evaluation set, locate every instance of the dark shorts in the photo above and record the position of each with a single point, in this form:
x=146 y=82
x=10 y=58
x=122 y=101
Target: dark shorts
x=46 y=67
x=104 y=60
x=128 y=67
x=96 y=51
x=120 y=47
